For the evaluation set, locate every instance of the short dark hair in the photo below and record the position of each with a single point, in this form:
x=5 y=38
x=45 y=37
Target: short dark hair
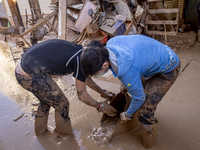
x=92 y=58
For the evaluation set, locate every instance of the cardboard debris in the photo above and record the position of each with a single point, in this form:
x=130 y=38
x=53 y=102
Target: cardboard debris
x=110 y=127
x=99 y=35
x=118 y=28
x=123 y=9
x=138 y=13
x=84 y=19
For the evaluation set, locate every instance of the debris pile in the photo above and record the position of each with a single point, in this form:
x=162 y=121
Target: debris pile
x=104 y=132
x=88 y=20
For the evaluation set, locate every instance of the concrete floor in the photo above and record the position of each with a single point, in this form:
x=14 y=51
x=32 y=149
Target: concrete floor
x=178 y=113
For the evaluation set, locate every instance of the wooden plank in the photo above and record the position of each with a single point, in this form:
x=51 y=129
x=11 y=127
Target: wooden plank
x=25 y=41
x=147 y=16
x=39 y=23
x=123 y=9
x=15 y=14
x=161 y=22
x=52 y=27
x=178 y=15
x=129 y=27
x=84 y=19
x=155 y=11
x=62 y=19
x=11 y=40
x=157 y=0
x=161 y=33
x=70 y=25
x=2 y=37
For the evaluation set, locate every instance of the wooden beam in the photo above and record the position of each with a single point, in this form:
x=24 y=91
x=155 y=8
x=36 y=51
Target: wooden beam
x=162 y=22
x=2 y=37
x=52 y=27
x=39 y=23
x=161 y=33
x=156 y=11
x=129 y=27
x=62 y=19
x=25 y=41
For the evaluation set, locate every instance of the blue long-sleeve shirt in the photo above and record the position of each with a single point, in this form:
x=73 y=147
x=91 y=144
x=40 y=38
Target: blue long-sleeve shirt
x=140 y=56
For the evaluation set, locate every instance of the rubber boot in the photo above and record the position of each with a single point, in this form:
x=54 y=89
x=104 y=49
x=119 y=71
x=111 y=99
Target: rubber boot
x=149 y=135
x=40 y=125
x=62 y=127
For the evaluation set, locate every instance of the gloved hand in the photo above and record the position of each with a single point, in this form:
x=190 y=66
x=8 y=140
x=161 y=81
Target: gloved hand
x=124 y=118
x=123 y=89
x=105 y=108
x=106 y=94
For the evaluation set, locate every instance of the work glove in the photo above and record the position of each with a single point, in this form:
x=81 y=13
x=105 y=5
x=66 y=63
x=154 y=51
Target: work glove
x=124 y=118
x=123 y=89
x=106 y=94
x=105 y=108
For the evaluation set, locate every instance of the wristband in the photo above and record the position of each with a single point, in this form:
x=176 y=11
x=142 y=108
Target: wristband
x=98 y=106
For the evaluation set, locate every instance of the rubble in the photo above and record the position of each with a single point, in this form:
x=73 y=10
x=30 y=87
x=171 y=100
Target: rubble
x=101 y=20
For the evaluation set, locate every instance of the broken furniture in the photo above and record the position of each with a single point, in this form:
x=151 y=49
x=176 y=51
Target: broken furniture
x=118 y=14
x=39 y=23
x=114 y=25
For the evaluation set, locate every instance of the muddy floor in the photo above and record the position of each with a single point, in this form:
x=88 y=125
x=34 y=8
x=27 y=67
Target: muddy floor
x=178 y=113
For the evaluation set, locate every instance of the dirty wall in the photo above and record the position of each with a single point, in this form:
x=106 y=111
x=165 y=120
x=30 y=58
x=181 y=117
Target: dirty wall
x=23 y=4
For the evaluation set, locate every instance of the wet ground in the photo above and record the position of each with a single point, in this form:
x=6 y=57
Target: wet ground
x=178 y=113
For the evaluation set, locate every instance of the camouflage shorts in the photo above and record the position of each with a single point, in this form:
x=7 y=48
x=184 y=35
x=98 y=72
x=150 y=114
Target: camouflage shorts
x=155 y=88
x=48 y=93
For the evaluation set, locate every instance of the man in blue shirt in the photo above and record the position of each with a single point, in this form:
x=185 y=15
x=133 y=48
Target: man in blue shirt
x=146 y=67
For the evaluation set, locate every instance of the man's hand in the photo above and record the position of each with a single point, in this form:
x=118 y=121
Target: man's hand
x=124 y=118
x=107 y=109
x=106 y=94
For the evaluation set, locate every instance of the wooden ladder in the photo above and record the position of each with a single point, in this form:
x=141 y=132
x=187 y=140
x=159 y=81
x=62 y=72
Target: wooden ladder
x=162 y=22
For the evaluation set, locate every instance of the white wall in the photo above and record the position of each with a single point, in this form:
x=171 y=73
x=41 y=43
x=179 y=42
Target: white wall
x=23 y=4
x=44 y=6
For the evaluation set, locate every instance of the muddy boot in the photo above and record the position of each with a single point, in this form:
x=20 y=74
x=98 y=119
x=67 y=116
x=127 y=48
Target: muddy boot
x=40 y=125
x=62 y=127
x=149 y=136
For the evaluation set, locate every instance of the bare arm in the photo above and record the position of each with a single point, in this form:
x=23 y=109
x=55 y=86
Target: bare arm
x=105 y=94
x=87 y=99
x=83 y=95
x=89 y=82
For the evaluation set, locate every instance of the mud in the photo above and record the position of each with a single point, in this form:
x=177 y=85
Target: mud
x=181 y=42
x=177 y=114
x=103 y=134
